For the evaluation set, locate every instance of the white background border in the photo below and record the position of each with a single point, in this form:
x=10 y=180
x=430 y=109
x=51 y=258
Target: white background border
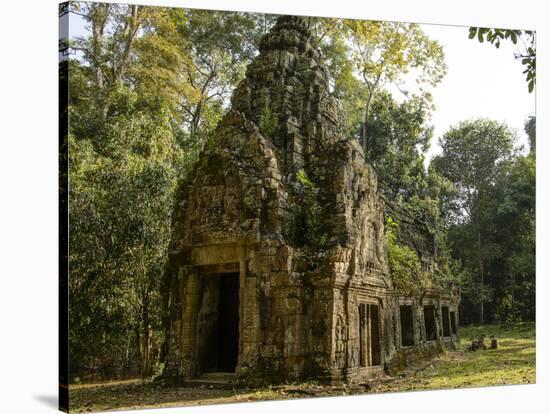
x=28 y=203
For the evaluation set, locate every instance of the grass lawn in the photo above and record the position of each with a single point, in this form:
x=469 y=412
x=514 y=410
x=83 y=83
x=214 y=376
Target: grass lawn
x=512 y=363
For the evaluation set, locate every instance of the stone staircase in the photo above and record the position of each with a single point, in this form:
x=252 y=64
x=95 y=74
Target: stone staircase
x=213 y=380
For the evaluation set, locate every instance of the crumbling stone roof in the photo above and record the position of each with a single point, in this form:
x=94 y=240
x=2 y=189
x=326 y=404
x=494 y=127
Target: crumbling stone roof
x=412 y=232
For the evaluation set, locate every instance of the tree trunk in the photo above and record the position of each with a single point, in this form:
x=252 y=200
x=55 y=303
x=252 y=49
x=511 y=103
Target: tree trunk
x=132 y=28
x=127 y=355
x=97 y=39
x=365 y=126
x=146 y=361
x=99 y=14
x=138 y=346
x=482 y=281
x=146 y=335
x=197 y=114
x=513 y=311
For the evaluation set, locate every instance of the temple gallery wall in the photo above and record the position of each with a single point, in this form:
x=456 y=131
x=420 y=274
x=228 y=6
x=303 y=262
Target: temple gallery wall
x=278 y=265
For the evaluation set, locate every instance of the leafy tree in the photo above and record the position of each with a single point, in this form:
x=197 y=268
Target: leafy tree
x=404 y=262
x=508 y=249
x=220 y=45
x=146 y=91
x=121 y=197
x=471 y=152
x=382 y=52
x=528 y=54
x=531 y=131
x=124 y=164
x=471 y=158
x=344 y=82
x=134 y=46
x=400 y=138
x=514 y=204
x=364 y=57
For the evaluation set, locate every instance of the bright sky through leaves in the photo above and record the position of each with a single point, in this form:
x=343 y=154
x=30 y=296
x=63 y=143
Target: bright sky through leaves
x=482 y=81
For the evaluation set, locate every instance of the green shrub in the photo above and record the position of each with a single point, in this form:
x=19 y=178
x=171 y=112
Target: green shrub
x=304 y=227
x=405 y=266
x=268 y=122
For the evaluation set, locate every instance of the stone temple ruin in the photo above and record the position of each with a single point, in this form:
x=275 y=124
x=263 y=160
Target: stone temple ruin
x=278 y=264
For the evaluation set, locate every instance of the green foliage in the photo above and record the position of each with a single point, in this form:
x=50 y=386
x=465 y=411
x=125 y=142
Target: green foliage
x=305 y=226
x=471 y=154
x=528 y=56
x=348 y=87
x=491 y=219
x=400 y=138
x=383 y=51
x=269 y=122
x=531 y=131
x=147 y=91
x=121 y=192
x=366 y=56
x=310 y=219
x=220 y=46
x=251 y=203
x=513 y=362
x=123 y=167
x=405 y=267
x=514 y=224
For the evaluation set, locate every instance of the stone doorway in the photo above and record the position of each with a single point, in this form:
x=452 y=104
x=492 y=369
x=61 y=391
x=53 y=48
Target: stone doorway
x=445 y=318
x=218 y=327
x=407 y=325
x=369 y=335
x=430 y=325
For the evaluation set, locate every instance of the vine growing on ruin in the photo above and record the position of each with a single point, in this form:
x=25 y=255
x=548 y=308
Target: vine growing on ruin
x=304 y=227
x=404 y=262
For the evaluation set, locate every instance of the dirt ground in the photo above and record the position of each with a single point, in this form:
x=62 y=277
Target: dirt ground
x=512 y=363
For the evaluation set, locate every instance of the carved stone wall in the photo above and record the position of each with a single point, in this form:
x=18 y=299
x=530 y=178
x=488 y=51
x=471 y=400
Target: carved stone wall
x=323 y=309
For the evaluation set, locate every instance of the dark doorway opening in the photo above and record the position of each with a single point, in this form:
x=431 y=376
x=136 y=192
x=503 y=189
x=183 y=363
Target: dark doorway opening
x=375 y=334
x=445 y=317
x=228 y=345
x=407 y=325
x=369 y=335
x=363 y=352
x=429 y=323
x=218 y=327
x=453 y=322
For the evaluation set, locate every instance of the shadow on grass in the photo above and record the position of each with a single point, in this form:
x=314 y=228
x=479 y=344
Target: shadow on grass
x=122 y=396
x=512 y=363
